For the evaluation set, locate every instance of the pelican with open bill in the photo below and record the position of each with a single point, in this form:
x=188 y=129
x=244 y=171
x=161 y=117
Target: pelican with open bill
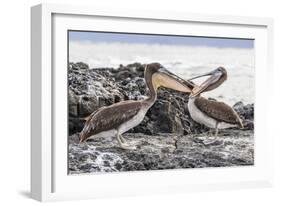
x=210 y=113
x=118 y=118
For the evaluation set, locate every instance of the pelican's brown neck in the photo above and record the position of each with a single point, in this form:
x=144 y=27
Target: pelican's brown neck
x=152 y=90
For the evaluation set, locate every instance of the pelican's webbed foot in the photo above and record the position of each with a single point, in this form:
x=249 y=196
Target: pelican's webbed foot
x=128 y=147
x=209 y=141
x=213 y=139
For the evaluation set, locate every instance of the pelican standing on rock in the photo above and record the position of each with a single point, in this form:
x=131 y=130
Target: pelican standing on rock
x=118 y=118
x=213 y=114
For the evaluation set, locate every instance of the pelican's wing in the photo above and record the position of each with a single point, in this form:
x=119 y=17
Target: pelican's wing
x=218 y=110
x=93 y=113
x=111 y=117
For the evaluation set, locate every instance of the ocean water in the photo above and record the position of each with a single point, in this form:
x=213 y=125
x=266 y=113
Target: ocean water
x=185 y=61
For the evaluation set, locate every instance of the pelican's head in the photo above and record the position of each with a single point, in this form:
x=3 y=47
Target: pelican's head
x=156 y=75
x=217 y=77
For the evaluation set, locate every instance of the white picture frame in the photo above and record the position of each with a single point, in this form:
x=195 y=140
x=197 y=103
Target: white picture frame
x=49 y=179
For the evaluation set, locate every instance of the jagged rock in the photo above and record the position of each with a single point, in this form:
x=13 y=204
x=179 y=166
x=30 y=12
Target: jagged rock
x=78 y=66
x=246 y=112
x=90 y=89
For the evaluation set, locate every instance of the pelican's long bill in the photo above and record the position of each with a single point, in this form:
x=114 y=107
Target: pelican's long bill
x=215 y=75
x=167 y=79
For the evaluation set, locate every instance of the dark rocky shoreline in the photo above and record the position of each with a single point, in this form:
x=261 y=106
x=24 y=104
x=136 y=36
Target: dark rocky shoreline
x=167 y=137
x=162 y=151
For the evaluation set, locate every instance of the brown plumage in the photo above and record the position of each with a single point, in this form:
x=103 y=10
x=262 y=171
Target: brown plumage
x=110 y=117
x=120 y=117
x=210 y=113
x=218 y=110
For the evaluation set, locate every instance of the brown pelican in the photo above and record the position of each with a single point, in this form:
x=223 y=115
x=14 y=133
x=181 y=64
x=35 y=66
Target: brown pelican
x=118 y=118
x=213 y=114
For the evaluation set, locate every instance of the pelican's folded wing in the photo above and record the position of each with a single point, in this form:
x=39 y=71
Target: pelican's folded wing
x=218 y=110
x=111 y=117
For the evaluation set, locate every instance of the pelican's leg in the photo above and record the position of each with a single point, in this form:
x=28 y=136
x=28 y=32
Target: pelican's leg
x=217 y=130
x=214 y=138
x=122 y=142
x=122 y=139
x=119 y=140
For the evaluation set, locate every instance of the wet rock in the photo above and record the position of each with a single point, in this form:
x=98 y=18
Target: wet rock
x=163 y=151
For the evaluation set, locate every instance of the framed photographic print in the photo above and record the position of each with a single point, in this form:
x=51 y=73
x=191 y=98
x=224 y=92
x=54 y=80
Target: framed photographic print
x=137 y=102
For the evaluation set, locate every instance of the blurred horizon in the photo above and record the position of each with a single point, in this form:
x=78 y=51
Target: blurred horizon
x=161 y=39
x=185 y=56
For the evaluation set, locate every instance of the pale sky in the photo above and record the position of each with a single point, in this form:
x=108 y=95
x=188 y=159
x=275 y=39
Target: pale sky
x=106 y=37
